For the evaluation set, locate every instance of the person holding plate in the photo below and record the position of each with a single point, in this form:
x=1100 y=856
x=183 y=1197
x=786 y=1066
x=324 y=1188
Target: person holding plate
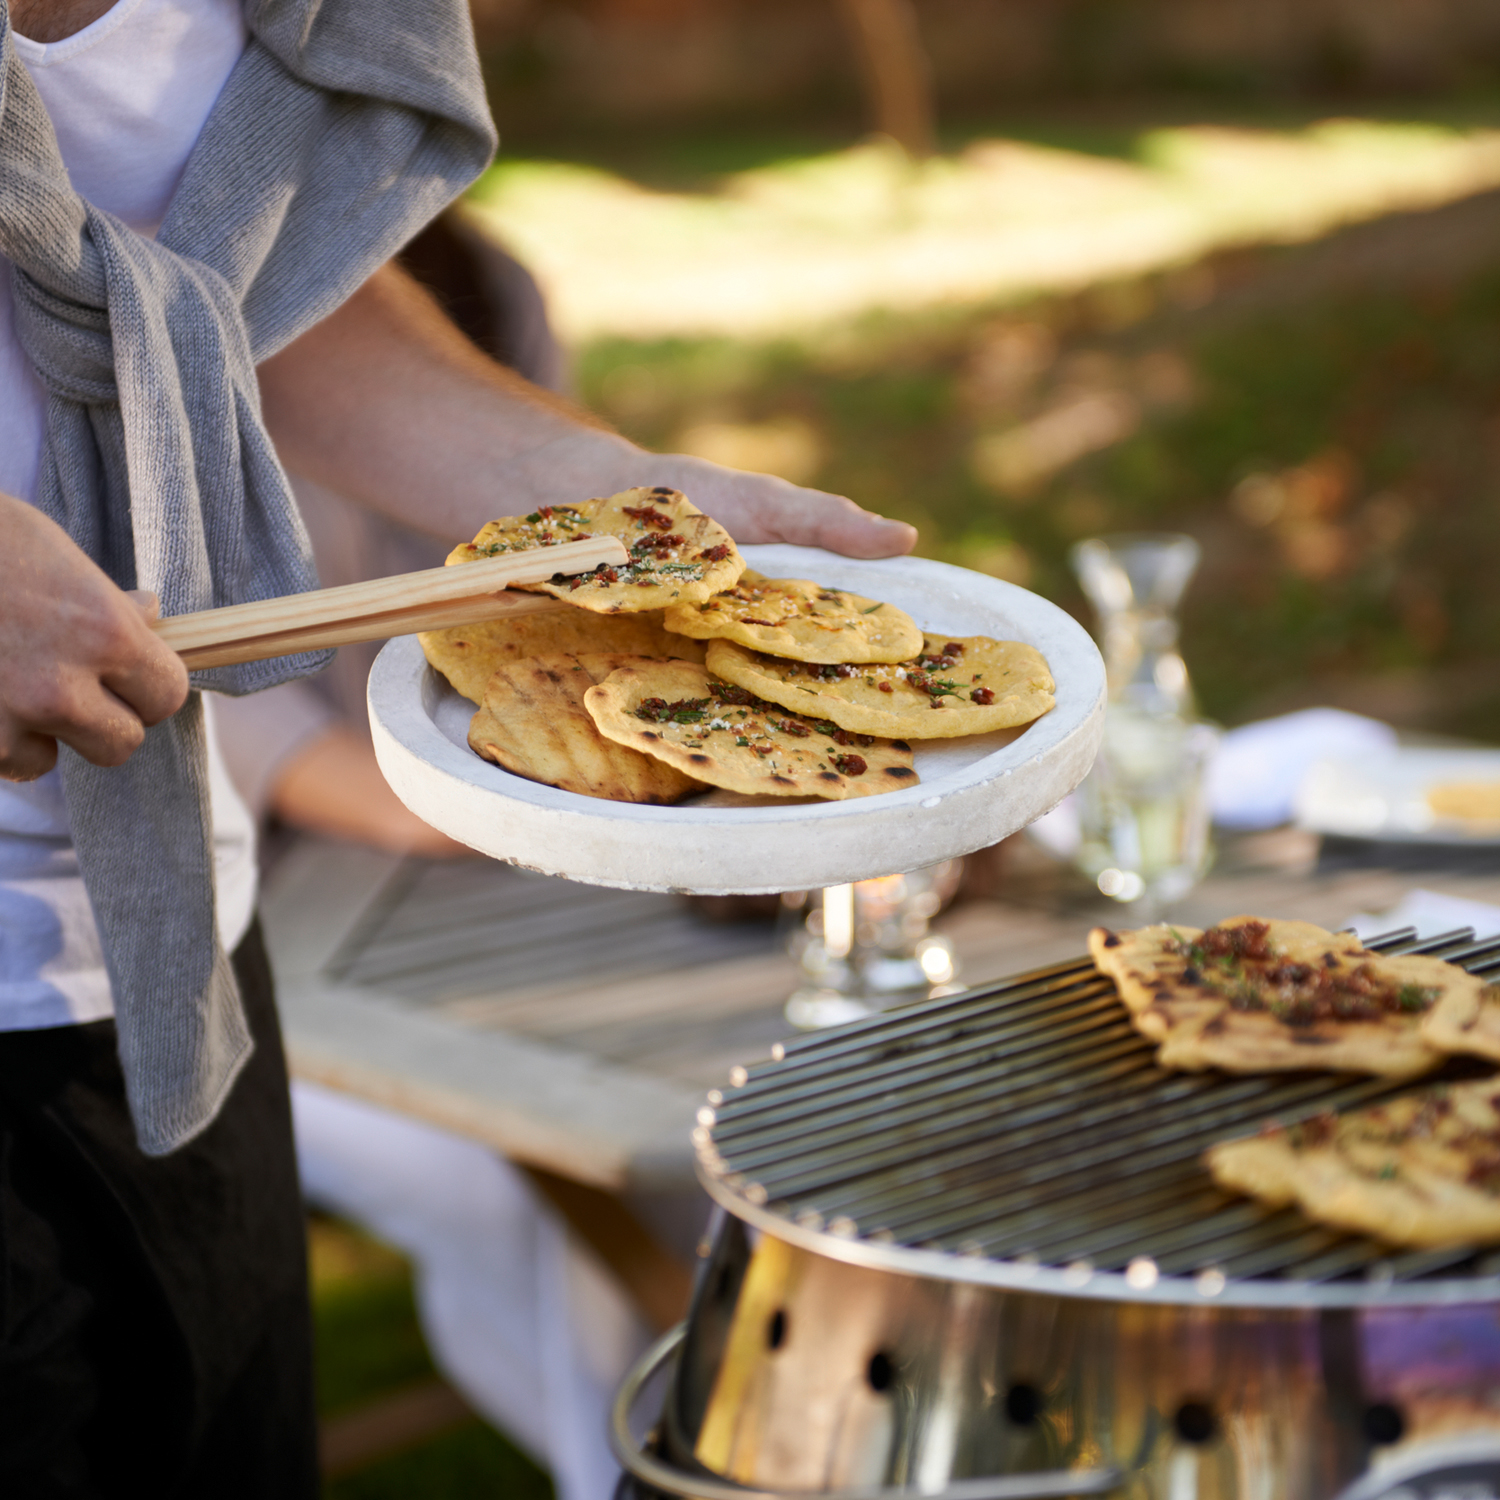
x=199 y=201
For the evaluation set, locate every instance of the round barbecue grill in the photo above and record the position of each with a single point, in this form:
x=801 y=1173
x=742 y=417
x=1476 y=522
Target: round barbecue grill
x=969 y=1248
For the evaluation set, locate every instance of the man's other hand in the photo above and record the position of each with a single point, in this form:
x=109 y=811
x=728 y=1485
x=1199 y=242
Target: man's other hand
x=78 y=659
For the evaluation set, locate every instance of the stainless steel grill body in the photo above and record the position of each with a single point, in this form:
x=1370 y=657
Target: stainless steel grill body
x=974 y=1238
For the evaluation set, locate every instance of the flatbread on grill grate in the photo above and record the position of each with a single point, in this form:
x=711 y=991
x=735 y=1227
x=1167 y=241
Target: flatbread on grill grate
x=678 y=555
x=467 y=655
x=941 y=694
x=1466 y=1019
x=677 y=712
x=1253 y=996
x=1422 y=1170
x=801 y=620
x=533 y=723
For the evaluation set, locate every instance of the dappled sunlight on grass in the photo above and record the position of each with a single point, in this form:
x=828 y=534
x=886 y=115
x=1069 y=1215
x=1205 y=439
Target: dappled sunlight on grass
x=794 y=246
x=1336 y=454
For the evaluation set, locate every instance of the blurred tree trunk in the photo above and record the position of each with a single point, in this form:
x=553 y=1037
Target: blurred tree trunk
x=897 y=81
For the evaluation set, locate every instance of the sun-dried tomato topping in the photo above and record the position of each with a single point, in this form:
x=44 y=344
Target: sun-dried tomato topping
x=850 y=765
x=792 y=727
x=656 y=544
x=1484 y=1173
x=1317 y=1131
x=1247 y=940
x=659 y=711
x=648 y=515
x=1240 y=964
x=983 y=696
x=715 y=554
x=953 y=648
x=885 y=687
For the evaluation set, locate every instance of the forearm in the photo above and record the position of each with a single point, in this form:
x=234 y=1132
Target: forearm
x=387 y=403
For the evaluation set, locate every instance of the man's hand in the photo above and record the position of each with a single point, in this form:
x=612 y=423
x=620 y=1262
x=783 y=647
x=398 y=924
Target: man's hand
x=78 y=659
x=388 y=404
x=761 y=508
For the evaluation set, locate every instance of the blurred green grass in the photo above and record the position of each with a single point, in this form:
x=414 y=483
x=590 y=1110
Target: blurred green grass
x=369 y=1344
x=1338 y=456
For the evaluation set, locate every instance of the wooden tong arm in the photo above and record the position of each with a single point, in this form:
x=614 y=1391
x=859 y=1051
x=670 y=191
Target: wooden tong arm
x=430 y=600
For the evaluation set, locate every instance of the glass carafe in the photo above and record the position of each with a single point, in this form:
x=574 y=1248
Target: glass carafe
x=1143 y=810
x=1135 y=581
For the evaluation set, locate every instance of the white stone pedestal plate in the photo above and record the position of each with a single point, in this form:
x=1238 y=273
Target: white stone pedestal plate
x=973 y=792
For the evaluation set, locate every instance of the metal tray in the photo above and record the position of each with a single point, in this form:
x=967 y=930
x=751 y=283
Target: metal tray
x=973 y=792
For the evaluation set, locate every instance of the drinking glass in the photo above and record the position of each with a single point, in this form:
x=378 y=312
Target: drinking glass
x=1143 y=810
x=867 y=946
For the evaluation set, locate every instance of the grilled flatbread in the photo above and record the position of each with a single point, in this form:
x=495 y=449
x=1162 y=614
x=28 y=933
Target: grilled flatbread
x=801 y=620
x=533 y=723
x=957 y=685
x=467 y=655
x=1253 y=996
x=677 y=712
x=677 y=554
x=1423 y=1169
x=1466 y=1018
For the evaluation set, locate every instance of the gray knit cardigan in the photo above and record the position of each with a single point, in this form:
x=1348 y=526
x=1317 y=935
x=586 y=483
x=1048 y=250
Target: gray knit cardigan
x=344 y=127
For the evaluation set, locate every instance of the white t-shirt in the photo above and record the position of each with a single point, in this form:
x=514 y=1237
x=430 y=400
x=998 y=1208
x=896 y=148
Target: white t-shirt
x=128 y=97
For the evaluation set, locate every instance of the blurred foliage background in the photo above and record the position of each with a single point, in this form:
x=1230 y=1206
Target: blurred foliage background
x=1266 y=324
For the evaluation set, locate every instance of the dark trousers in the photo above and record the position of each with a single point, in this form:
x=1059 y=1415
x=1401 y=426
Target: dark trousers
x=155 y=1336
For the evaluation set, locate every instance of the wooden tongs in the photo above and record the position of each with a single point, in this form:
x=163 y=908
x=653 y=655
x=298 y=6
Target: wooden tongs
x=431 y=600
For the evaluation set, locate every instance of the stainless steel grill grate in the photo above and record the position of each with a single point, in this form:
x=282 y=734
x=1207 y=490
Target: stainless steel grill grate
x=1028 y=1122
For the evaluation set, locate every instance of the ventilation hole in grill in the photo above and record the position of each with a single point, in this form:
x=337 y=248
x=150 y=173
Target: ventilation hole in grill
x=776 y=1329
x=1383 y=1423
x=1023 y=1404
x=1194 y=1422
x=881 y=1371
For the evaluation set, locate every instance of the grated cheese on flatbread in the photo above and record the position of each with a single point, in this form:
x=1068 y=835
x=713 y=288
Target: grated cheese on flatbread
x=958 y=685
x=677 y=712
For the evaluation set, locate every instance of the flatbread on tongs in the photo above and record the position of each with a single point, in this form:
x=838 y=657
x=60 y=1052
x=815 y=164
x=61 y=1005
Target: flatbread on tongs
x=1423 y=1169
x=956 y=685
x=800 y=620
x=1250 y=995
x=677 y=554
x=678 y=713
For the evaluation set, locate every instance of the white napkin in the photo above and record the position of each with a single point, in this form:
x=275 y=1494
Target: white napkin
x=1254 y=779
x=1430 y=913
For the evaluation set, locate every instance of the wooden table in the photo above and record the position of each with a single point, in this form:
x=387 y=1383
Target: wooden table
x=576 y=1029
